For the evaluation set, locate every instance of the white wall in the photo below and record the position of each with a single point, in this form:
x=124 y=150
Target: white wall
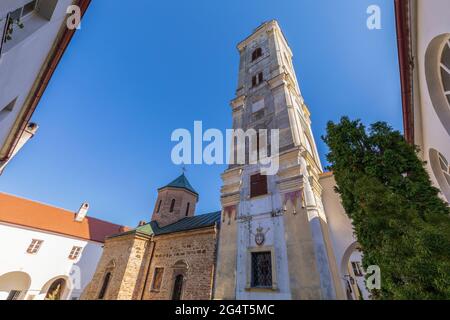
x=432 y=20
x=24 y=56
x=341 y=232
x=50 y=262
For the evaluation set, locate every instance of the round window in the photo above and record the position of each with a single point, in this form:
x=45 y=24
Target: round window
x=441 y=170
x=445 y=69
x=437 y=71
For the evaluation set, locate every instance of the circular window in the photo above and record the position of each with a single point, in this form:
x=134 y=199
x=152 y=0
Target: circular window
x=437 y=71
x=445 y=69
x=441 y=170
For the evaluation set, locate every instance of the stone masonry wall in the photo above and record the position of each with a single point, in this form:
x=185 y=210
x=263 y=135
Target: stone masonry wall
x=123 y=257
x=196 y=249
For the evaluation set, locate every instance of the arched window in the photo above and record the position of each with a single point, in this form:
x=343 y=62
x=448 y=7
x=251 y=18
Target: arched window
x=172 y=205
x=56 y=289
x=256 y=54
x=159 y=206
x=177 y=287
x=437 y=71
x=105 y=284
x=187 y=208
x=441 y=170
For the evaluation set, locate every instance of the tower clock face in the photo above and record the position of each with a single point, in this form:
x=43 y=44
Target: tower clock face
x=445 y=69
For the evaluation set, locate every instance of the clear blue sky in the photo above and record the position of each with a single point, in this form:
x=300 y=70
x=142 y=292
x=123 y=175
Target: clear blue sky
x=139 y=69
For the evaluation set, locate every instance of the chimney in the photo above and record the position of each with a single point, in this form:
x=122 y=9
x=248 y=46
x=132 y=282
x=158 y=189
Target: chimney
x=82 y=212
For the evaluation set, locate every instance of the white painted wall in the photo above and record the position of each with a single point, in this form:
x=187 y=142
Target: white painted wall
x=24 y=56
x=50 y=262
x=259 y=210
x=432 y=20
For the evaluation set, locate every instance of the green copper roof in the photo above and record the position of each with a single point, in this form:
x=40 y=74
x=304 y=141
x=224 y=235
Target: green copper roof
x=189 y=223
x=185 y=224
x=182 y=183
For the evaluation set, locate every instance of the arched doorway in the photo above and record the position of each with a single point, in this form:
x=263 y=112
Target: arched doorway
x=180 y=269
x=177 y=287
x=56 y=290
x=14 y=285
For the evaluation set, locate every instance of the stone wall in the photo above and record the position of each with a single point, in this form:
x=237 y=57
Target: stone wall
x=191 y=254
x=123 y=256
x=164 y=217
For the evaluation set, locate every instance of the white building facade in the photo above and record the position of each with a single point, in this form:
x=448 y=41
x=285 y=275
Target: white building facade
x=47 y=252
x=34 y=35
x=423 y=29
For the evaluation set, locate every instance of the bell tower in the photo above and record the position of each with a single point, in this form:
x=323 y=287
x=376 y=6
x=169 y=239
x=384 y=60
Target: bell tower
x=176 y=200
x=274 y=241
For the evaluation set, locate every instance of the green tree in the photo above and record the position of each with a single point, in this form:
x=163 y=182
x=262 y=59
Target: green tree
x=401 y=223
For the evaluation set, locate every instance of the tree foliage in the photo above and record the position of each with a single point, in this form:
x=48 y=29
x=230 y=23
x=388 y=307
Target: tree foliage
x=401 y=223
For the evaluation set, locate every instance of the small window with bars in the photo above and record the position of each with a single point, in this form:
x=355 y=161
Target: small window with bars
x=157 y=279
x=75 y=253
x=34 y=246
x=261 y=275
x=258 y=185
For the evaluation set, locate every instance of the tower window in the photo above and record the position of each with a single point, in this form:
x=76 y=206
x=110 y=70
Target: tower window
x=261 y=276
x=187 y=208
x=256 y=54
x=257 y=79
x=172 y=205
x=258 y=185
x=159 y=206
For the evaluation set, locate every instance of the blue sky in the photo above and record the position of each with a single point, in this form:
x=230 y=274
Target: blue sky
x=139 y=69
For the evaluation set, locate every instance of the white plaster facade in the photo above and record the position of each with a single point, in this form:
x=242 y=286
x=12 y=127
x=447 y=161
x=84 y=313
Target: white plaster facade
x=430 y=38
x=22 y=60
x=32 y=274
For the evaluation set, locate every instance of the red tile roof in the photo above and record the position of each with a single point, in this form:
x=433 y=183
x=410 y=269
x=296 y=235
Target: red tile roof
x=35 y=215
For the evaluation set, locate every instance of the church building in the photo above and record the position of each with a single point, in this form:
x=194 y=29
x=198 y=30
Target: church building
x=282 y=236
x=172 y=257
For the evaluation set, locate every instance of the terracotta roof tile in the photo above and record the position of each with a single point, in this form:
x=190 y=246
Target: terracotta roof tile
x=35 y=215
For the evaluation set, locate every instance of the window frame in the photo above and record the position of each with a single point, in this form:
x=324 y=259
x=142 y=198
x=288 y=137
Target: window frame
x=75 y=253
x=357 y=268
x=34 y=246
x=105 y=285
x=152 y=287
x=257 y=79
x=13 y=295
x=261 y=249
x=256 y=54
x=172 y=206
x=158 y=209
x=188 y=208
x=255 y=179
